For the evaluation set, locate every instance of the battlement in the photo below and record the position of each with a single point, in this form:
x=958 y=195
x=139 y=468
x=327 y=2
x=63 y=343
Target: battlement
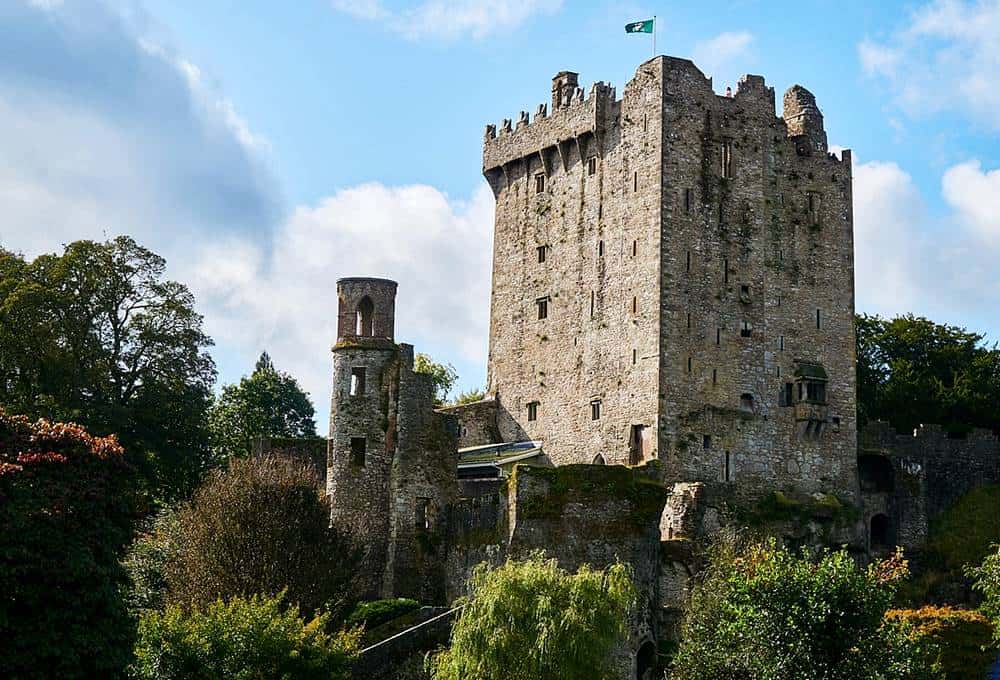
x=572 y=116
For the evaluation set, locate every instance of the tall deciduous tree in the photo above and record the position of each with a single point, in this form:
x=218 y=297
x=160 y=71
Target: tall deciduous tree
x=67 y=503
x=912 y=371
x=266 y=403
x=531 y=619
x=98 y=335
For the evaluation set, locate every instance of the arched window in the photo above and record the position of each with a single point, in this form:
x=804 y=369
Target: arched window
x=365 y=318
x=598 y=460
x=880 y=531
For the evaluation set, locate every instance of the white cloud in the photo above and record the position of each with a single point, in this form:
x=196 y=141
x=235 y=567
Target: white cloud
x=283 y=297
x=725 y=51
x=450 y=19
x=910 y=260
x=945 y=59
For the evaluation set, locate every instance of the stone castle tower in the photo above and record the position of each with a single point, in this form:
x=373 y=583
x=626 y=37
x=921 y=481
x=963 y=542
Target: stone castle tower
x=673 y=279
x=391 y=463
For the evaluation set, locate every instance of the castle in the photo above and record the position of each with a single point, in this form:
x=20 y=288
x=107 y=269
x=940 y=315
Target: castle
x=671 y=349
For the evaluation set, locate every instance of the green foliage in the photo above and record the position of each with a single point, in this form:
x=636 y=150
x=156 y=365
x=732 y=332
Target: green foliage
x=261 y=526
x=779 y=506
x=530 y=620
x=67 y=503
x=987 y=583
x=146 y=561
x=98 y=336
x=443 y=376
x=470 y=397
x=759 y=611
x=375 y=613
x=913 y=371
x=960 y=637
x=243 y=639
x=267 y=403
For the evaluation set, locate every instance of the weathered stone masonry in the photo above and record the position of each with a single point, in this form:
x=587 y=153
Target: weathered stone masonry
x=673 y=279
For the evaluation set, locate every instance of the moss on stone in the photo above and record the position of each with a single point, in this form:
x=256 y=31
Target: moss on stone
x=779 y=506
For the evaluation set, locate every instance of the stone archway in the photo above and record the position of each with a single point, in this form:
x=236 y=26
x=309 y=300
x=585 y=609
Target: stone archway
x=645 y=661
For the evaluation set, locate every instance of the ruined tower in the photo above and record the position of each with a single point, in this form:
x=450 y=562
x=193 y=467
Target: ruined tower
x=391 y=463
x=673 y=280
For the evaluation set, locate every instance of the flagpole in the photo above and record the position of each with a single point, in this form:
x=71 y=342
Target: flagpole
x=654 y=35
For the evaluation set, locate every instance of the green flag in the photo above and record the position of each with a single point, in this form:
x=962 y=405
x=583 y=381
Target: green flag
x=640 y=26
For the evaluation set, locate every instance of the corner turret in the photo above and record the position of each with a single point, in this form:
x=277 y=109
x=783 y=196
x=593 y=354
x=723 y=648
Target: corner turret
x=804 y=120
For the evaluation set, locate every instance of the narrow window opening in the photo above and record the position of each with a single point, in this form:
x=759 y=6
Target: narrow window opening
x=689 y=320
x=600 y=248
x=745 y=329
x=592 y=165
x=421 y=515
x=725 y=270
x=746 y=401
x=635 y=181
x=715 y=376
x=598 y=460
x=688 y=200
x=690 y=364
x=727 y=158
x=706 y=441
x=539 y=182
x=358 y=445
x=543 y=307
x=541 y=253
x=365 y=318
x=635 y=246
x=595 y=409
x=635 y=305
x=635 y=356
x=357 y=381
x=636 y=452
x=818 y=322
x=778 y=371
x=718 y=336
x=787 y=397
x=688 y=265
x=835 y=423
x=779 y=301
x=532 y=411
x=744 y=293
x=591 y=304
x=781 y=343
x=645 y=122
x=728 y=467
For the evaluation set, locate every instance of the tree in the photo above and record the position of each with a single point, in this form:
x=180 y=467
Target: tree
x=469 y=397
x=267 y=403
x=529 y=620
x=261 y=526
x=97 y=335
x=912 y=371
x=67 y=503
x=760 y=611
x=443 y=376
x=243 y=639
x=987 y=582
x=155 y=545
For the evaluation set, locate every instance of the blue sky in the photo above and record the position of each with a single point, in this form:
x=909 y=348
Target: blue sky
x=267 y=149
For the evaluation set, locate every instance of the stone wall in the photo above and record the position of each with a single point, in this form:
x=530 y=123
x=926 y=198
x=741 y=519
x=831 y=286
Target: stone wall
x=477 y=422
x=912 y=478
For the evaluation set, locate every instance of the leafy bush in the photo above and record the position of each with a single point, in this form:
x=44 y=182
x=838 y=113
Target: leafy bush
x=261 y=526
x=67 y=503
x=530 y=620
x=987 y=578
x=760 y=611
x=244 y=639
x=959 y=635
x=377 y=612
x=146 y=561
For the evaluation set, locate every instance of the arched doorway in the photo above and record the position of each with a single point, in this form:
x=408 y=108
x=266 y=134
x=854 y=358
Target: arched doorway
x=880 y=532
x=645 y=661
x=598 y=460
